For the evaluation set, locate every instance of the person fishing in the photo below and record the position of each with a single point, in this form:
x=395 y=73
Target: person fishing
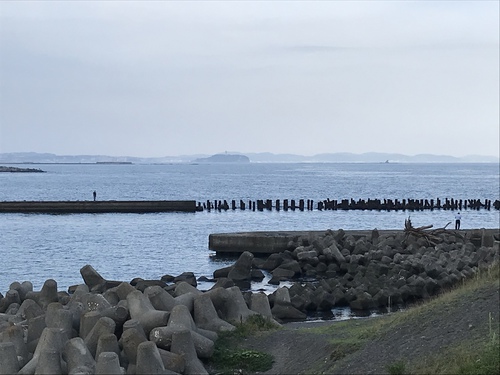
x=458 y=217
x=95 y=195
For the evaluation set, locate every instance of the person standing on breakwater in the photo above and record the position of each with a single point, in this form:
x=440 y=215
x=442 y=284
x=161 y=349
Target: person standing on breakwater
x=95 y=195
x=458 y=217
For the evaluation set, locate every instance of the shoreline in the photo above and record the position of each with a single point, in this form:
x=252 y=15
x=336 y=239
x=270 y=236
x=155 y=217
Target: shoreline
x=364 y=271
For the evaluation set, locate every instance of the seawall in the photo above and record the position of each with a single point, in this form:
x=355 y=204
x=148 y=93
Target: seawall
x=67 y=207
x=269 y=242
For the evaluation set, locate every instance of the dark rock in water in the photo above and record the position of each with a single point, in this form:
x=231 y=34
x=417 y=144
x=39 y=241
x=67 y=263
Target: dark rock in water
x=223 y=282
x=222 y=272
x=282 y=274
x=167 y=278
x=143 y=284
x=272 y=262
x=204 y=279
x=21 y=170
x=363 y=301
x=187 y=277
x=257 y=275
x=242 y=269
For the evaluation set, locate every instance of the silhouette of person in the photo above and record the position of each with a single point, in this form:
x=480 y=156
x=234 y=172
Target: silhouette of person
x=458 y=217
x=95 y=195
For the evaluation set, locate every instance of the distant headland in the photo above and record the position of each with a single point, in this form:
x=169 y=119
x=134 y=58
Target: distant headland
x=224 y=158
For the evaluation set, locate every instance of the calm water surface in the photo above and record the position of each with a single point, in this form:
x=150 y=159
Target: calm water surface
x=124 y=246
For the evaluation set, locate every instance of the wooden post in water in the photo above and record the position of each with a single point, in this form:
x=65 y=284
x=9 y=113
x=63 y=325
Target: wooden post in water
x=301 y=204
x=269 y=204
x=292 y=204
x=277 y=204
x=285 y=204
x=242 y=205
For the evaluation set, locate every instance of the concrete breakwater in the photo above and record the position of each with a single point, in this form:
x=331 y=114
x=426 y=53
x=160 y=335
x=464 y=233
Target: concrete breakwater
x=363 y=269
x=63 y=207
x=148 y=326
x=116 y=206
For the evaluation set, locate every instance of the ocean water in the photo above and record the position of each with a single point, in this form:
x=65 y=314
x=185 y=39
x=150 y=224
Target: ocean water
x=37 y=247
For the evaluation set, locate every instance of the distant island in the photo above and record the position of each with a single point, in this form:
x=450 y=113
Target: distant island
x=238 y=157
x=223 y=158
x=20 y=170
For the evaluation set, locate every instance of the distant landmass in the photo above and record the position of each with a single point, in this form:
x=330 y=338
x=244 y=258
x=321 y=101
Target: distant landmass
x=20 y=170
x=238 y=157
x=223 y=158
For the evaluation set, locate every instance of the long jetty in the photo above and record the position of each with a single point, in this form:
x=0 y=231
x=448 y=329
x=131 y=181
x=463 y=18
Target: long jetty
x=351 y=204
x=147 y=206
x=95 y=207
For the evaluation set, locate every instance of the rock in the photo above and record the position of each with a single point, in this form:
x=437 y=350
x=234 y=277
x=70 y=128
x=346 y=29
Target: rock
x=182 y=344
x=242 y=268
x=143 y=284
x=187 y=277
x=91 y=277
x=8 y=359
x=108 y=364
x=292 y=265
x=323 y=300
x=148 y=359
x=159 y=298
x=282 y=274
x=205 y=315
x=362 y=301
x=335 y=254
x=283 y=308
x=230 y=304
x=306 y=255
x=273 y=261
x=142 y=310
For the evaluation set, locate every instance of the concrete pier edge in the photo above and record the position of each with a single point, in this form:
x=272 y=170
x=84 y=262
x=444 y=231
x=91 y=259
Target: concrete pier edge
x=268 y=242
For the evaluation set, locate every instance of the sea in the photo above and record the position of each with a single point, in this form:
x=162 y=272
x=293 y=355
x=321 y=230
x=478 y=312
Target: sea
x=37 y=247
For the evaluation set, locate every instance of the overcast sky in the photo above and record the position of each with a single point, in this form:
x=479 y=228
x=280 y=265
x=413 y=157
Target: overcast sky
x=171 y=78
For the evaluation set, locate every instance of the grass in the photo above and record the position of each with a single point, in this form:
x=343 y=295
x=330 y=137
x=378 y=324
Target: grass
x=227 y=359
x=350 y=335
x=480 y=356
x=397 y=368
x=471 y=357
x=474 y=356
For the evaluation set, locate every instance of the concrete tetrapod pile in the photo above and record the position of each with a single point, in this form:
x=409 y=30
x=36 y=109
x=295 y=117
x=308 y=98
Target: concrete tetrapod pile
x=169 y=326
x=111 y=327
x=368 y=272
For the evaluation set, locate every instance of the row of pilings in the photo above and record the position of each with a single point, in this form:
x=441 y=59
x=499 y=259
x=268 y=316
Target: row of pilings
x=350 y=204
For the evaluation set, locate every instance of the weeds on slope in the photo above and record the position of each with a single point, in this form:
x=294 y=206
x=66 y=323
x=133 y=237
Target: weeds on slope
x=227 y=358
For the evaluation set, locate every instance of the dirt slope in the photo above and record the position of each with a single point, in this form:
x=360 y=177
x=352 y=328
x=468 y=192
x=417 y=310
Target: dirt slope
x=298 y=349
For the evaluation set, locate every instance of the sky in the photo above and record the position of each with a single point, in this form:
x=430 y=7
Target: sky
x=167 y=78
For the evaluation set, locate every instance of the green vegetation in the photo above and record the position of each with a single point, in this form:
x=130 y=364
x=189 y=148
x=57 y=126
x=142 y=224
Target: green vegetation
x=227 y=358
x=473 y=356
x=396 y=368
x=350 y=335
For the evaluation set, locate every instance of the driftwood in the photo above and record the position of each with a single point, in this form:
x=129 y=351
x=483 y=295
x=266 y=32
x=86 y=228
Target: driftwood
x=431 y=236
